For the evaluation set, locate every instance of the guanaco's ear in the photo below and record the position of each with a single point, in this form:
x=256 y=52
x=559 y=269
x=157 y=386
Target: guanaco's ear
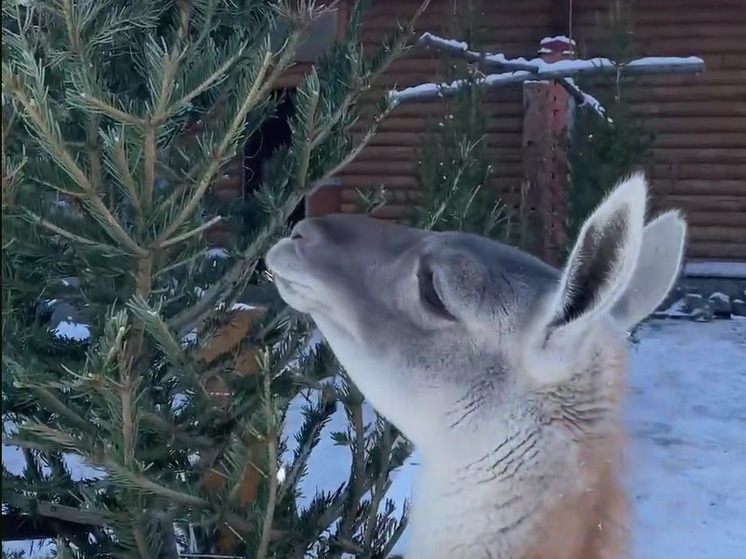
x=657 y=268
x=597 y=274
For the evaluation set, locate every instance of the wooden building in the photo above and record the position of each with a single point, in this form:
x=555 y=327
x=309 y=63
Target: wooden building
x=699 y=162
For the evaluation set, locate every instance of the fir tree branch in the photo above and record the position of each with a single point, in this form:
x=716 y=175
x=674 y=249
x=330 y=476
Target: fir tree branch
x=394 y=538
x=357 y=481
x=271 y=504
x=304 y=159
x=53 y=403
x=58 y=189
x=249 y=102
x=148 y=486
x=71 y=28
x=67 y=162
x=213 y=79
x=40 y=221
x=352 y=155
x=129 y=417
x=171 y=67
x=142 y=545
x=128 y=181
x=111 y=111
x=161 y=110
x=94 y=153
x=257 y=91
x=150 y=156
x=381 y=485
x=196 y=231
x=398 y=46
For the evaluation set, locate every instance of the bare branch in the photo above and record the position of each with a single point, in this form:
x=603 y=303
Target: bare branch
x=523 y=70
x=461 y=50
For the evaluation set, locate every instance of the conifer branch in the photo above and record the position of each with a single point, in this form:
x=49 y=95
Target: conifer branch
x=150 y=157
x=41 y=222
x=128 y=181
x=94 y=153
x=381 y=485
x=250 y=100
x=271 y=504
x=67 y=162
x=212 y=80
x=111 y=111
x=53 y=403
x=196 y=231
x=148 y=486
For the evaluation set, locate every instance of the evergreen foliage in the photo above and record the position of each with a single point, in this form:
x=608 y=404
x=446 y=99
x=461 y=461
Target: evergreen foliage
x=602 y=151
x=105 y=206
x=456 y=168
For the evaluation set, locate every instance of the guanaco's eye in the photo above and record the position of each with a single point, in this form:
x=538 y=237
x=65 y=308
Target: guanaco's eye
x=429 y=295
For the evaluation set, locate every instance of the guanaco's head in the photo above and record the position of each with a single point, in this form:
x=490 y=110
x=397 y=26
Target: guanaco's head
x=451 y=334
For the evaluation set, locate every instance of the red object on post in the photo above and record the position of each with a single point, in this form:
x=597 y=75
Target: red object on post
x=546 y=121
x=325 y=198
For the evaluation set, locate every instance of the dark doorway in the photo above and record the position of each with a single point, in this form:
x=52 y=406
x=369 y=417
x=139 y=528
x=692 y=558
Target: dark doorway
x=274 y=133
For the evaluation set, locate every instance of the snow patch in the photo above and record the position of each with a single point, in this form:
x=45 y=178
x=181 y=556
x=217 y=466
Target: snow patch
x=216 y=254
x=557 y=39
x=73 y=331
x=716 y=269
x=190 y=339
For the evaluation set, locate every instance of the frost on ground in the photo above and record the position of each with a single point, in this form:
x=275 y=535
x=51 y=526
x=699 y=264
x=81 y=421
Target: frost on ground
x=687 y=421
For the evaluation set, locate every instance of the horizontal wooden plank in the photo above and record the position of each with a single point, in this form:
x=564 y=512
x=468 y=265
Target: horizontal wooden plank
x=666 y=186
x=677 y=109
x=396 y=123
x=649 y=17
x=714 y=233
x=384 y=168
x=487 y=105
x=717 y=251
x=495 y=140
x=696 y=125
x=721 y=155
x=708 y=140
x=706 y=171
x=732 y=60
x=706 y=203
x=733 y=220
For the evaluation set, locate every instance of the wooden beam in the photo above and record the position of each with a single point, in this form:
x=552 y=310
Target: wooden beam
x=521 y=70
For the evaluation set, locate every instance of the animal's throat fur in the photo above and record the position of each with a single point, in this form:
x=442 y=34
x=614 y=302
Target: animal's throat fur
x=509 y=504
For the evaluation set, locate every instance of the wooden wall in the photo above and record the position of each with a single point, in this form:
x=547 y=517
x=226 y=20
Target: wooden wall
x=700 y=121
x=699 y=162
x=391 y=158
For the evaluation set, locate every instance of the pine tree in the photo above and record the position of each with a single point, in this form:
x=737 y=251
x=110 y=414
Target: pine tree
x=118 y=117
x=603 y=150
x=455 y=167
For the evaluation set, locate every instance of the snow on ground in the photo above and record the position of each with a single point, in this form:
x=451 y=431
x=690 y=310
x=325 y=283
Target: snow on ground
x=687 y=420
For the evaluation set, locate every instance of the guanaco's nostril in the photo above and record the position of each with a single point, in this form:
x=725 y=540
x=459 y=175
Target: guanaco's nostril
x=295 y=236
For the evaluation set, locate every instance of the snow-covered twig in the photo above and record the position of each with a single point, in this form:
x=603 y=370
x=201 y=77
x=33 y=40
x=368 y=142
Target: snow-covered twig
x=584 y=99
x=461 y=50
x=521 y=69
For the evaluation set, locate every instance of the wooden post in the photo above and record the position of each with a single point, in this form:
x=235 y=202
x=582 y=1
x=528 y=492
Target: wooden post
x=546 y=121
x=325 y=198
x=225 y=341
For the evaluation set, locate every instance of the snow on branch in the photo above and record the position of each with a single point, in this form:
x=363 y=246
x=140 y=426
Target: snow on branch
x=518 y=70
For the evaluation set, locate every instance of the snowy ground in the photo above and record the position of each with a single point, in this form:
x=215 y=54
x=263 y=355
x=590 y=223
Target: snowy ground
x=687 y=419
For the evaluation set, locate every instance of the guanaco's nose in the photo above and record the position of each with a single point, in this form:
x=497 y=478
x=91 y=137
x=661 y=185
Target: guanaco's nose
x=307 y=231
